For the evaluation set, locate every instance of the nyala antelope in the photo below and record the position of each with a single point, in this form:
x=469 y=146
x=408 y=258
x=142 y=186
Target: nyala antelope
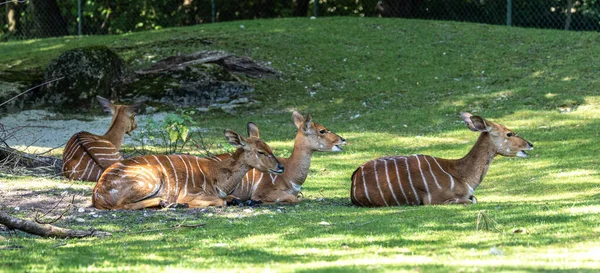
x=190 y=181
x=259 y=187
x=425 y=180
x=87 y=155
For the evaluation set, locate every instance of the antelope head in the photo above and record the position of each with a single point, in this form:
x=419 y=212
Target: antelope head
x=318 y=137
x=257 y=154
x=506 y=142
x=124 y=114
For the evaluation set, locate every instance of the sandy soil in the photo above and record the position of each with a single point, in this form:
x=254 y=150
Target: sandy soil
x=39 y=130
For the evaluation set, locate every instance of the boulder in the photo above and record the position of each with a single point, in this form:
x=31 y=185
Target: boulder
x=88 y=72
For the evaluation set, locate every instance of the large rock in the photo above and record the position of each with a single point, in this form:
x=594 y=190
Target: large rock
x=87 y=72
x=198 y=79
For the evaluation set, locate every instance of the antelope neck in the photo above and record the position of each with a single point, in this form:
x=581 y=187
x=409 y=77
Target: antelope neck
x=230 y=171
x=298 y=164
x=116 y=131
x=473 y=167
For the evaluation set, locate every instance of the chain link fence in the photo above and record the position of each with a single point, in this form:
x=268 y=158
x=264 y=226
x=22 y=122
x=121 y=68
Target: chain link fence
x=26 y=19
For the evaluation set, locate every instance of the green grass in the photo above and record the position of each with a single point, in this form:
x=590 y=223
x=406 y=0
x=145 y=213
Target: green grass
x=390 y=87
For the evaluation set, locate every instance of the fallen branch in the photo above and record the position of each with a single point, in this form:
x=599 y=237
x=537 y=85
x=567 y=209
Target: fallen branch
x=47 y=230
x=40 y=218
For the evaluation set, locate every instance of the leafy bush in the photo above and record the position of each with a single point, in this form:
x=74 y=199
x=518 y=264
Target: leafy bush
x=168 y=136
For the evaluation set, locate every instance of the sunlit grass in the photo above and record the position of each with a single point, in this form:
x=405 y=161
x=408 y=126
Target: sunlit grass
x=390 y=87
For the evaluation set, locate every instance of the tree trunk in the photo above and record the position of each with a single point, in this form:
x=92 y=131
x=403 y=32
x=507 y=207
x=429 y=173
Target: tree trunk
x=398 y=8
x=14 y=17
x=47 y=20
x=47 y=230
x=300 y=8
x=569 y=14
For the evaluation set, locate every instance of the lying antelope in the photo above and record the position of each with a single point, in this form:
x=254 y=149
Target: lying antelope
x=425 y=180
x=87 y=155
x=165 y=180
x=259 y=187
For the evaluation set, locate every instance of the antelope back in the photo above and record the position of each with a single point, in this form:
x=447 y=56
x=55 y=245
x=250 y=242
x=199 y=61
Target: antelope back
x=168 y=176
x=400 y=180
x=86 y=155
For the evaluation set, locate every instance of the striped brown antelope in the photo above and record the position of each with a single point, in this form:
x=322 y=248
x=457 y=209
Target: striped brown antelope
x=425 y=180
x=87 y=155
x=167 y=180
x=259 y=187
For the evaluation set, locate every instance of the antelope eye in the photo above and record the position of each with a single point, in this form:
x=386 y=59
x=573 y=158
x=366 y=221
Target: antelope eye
x=322 y=131
x=510 y=134
x=261 y=153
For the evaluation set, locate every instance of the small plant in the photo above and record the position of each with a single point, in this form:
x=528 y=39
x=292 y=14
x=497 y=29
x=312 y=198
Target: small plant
x=168 y=136
x=485 y=222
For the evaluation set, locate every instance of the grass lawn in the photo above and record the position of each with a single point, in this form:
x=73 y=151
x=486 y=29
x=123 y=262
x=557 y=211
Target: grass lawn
x=390 y=87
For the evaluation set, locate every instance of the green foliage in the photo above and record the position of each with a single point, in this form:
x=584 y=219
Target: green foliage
x=123 y=16
x=168 y=136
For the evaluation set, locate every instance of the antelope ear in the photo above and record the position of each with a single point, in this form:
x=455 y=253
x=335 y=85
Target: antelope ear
x=475 y=123
x=107 y=106
x=307 y=123
x=234 y=138
x=136 y=107
x=253 y=130
x=298 y=119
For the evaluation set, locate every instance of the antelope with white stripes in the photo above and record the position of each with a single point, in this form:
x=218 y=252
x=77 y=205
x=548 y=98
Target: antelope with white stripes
x=86 y=155
x=168 y=180
x=426 y=180
x=260 y=187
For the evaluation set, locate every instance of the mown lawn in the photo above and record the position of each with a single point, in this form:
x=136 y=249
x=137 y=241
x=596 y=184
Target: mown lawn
x=390 y=87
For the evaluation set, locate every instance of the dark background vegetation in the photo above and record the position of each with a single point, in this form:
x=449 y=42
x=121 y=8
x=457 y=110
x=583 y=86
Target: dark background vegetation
x=22 y=19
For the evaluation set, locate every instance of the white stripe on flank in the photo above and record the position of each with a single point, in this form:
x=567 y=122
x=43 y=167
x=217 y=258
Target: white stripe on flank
x=451 y=178
x=71 y=152
x=99 y=174
x=165 y=174
x=387 y=176
x=79 y=162
x=399 y=182
x=73 y=149
x=410 y=181
x=257 y=182
x=101 y=147
x=108 y=159
x=203 y=175
x=174 y=173
x=354 y=192
x=191 y=170
x=244 y=180
x=362 y=171
x=187 y=175
x=147 y=162
x=423 y=177
x=253 y=181
x=113 y=154
x=432 y=174
x=377 y=182
x=86 y=169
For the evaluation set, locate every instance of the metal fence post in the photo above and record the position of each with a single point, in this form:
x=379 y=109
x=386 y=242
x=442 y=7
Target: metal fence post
x=509 y=13
x=79 y=18
x=213 y=11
